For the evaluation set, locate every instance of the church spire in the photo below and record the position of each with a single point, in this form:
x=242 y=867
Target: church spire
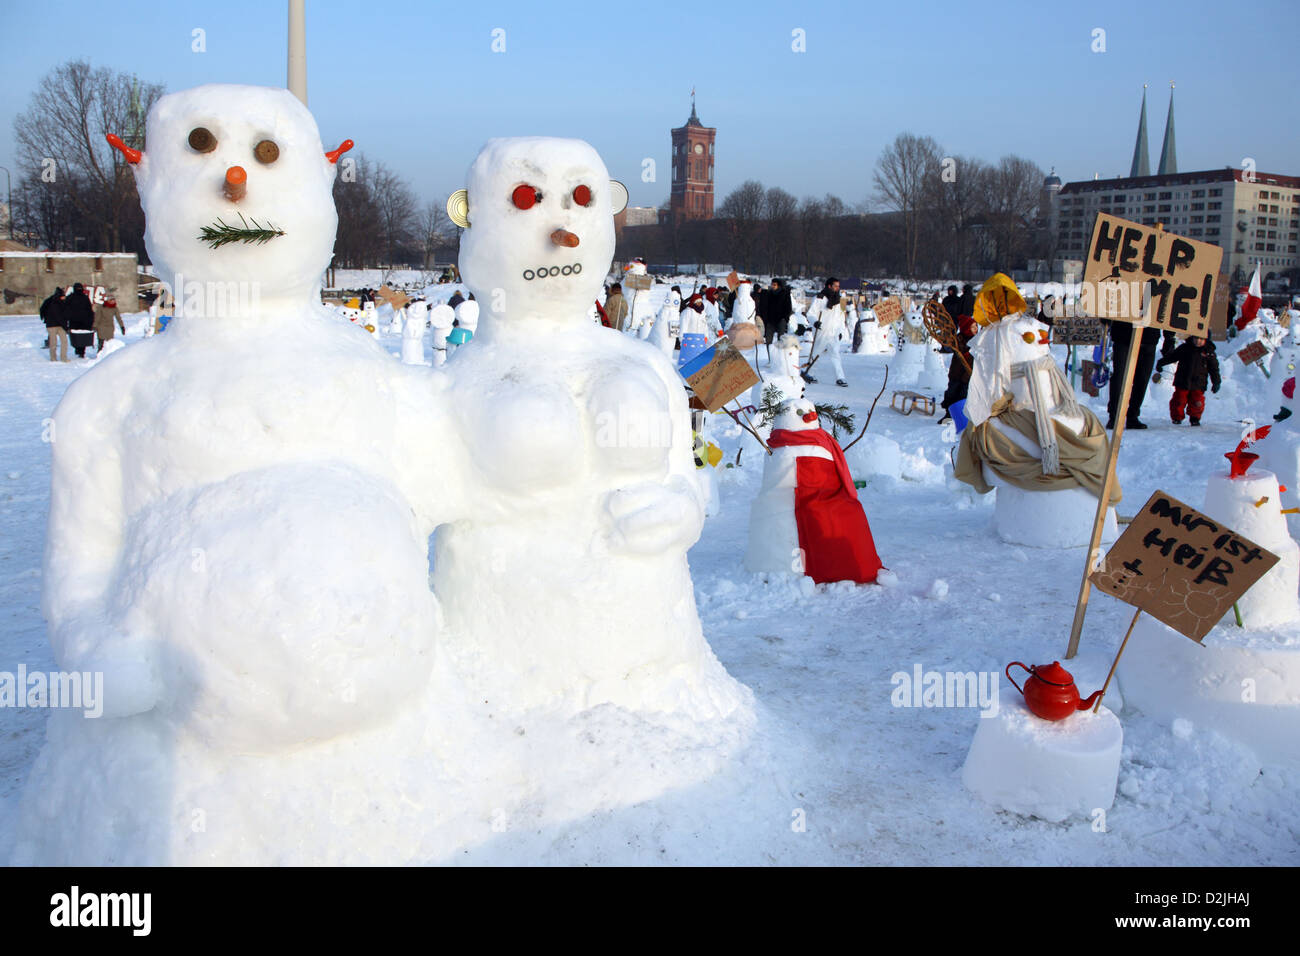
x=1168 y=155
x=1141 y=155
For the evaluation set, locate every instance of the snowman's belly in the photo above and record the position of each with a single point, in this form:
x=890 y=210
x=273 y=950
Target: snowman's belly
x=533 y=434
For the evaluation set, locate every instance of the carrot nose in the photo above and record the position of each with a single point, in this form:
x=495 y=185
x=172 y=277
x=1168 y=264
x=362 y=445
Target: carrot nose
x=562 y=237
x=236 y=183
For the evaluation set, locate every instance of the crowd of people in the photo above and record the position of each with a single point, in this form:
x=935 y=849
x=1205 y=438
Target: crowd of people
x=70 y=316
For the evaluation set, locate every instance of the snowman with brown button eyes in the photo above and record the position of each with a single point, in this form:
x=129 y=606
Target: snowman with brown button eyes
x=566 y=584
x=240 y=508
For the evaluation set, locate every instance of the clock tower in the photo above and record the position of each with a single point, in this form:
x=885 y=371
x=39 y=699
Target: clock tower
x=692 y=192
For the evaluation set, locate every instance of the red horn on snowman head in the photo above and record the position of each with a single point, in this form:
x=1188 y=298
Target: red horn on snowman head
x=333 y=154
x=132 y=155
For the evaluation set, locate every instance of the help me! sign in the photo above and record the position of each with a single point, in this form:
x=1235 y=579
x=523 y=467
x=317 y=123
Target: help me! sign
x=1125 y=257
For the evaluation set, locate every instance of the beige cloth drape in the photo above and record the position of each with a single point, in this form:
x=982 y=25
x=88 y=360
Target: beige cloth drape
x=1083 y=456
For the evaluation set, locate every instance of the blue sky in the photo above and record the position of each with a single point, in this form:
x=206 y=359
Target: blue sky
x=418 y=87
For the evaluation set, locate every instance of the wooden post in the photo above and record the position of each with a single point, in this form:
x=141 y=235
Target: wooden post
x=1103 y=501
x=1115 y=663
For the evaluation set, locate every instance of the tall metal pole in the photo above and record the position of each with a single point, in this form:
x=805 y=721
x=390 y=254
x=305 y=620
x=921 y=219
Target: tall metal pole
x=297 y=64
x=9 y=201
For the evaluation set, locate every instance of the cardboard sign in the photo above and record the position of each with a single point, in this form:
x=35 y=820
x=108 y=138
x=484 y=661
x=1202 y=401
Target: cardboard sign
x=392 y=297
x=888 y=311
x=639 y=283
x=1252 y=353
x=1180 y=567
x=1088 y=368
x=718 y=374
x=1219 y=310
x=1083 y=330
x=733 y=280
x=1124 y=258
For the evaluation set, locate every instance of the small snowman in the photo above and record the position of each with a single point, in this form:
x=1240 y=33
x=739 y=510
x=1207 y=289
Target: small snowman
x=412 y=331
x=806 y=518
x=442 y=319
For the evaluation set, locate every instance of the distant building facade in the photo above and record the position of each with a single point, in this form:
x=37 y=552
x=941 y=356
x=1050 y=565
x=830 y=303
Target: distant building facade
x=28 y=278
x=692 y=189
x=1254 y=217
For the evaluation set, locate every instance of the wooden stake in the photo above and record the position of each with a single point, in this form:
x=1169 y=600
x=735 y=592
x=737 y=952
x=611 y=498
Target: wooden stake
x=1115 y=663
x=1103 y=502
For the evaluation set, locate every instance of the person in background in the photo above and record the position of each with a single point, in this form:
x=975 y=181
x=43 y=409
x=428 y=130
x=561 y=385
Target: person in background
x=966 y=304
x=1121 y=335
x=959 y=371
x=56 y=324
x=81 y=319
x=105 y=317
x=1197 y=362
x=616 y=307
x=952 y=303
x=456 y=299
x=780 y=306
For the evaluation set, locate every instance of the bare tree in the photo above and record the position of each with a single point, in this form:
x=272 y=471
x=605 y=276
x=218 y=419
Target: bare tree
x=901 y=179
x=743 y=208
x=781 y=212
x=61 y=148
x=1011 y=199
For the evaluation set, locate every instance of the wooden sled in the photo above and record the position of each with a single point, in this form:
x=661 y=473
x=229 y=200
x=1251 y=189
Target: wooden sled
x=905 y=403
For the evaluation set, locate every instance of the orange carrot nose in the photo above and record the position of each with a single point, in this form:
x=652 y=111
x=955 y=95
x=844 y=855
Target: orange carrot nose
x=562 y=237
x=236 y=183
x=132 y=155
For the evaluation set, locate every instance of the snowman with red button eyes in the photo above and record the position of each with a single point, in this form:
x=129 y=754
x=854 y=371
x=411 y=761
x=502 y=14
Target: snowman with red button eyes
x=566 y=583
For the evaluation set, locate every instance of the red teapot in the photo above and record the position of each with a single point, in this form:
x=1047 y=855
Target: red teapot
x=1050 y=692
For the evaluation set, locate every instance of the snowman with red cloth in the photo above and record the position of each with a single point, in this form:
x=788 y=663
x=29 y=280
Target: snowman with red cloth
x=807 y=518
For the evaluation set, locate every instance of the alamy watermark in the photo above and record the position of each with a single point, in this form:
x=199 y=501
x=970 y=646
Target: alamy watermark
x=923 y=688
x=81 y=690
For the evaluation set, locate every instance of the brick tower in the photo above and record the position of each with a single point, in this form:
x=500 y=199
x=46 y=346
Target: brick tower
x=692 y=192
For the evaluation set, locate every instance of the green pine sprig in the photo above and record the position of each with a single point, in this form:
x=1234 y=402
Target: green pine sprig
x=251 y=231
x=838 y=415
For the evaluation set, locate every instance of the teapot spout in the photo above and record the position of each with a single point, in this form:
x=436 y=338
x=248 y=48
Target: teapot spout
x=1088 y=702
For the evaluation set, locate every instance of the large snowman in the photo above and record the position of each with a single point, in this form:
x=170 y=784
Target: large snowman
x=236 y=541
x=569 y=586
x=1027 y=436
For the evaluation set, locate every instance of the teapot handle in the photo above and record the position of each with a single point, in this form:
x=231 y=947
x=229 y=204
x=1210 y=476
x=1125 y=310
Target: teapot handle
x=1027 y=670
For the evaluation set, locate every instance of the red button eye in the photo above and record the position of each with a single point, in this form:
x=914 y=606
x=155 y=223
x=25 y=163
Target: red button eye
x=525 y=197
x=582 y=196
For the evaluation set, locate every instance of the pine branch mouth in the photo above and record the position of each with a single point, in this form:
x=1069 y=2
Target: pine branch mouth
x=249 y=230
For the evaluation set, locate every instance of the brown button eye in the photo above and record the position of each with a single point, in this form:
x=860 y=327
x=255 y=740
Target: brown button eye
x=202 y=140
x=266 y=151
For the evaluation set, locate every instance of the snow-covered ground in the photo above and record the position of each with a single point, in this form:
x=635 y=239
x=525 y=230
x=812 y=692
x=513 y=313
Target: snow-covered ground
x=837 y=775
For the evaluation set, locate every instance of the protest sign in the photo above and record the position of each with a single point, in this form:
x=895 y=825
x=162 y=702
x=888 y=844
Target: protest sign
x=718 y=374
x=1180 y=566
x=1124 y=257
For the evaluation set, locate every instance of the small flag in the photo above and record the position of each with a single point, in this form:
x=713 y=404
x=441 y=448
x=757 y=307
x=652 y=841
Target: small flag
x=1254 y=299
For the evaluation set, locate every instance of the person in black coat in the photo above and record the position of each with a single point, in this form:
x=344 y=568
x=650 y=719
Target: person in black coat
x=81 y=319
x=779 y=309
x=1197 y=364
x=55 y=316
x=952 y=303
x=966 y=304
x=1121 y=334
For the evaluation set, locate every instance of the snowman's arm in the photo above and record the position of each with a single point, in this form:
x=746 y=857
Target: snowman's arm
x=87 y=518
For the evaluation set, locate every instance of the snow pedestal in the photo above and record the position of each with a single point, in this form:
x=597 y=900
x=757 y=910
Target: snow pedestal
x=1243 y=683
x=934 y=374
x=1043 y=768
x=875 y=455
x=908 y=365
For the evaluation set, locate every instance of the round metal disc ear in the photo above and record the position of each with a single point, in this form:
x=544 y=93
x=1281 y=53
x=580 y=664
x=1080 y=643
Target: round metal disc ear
x=617 y=195
x=458 y=207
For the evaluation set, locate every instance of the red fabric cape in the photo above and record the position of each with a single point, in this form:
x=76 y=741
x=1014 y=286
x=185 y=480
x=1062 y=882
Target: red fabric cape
x=833 y=531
